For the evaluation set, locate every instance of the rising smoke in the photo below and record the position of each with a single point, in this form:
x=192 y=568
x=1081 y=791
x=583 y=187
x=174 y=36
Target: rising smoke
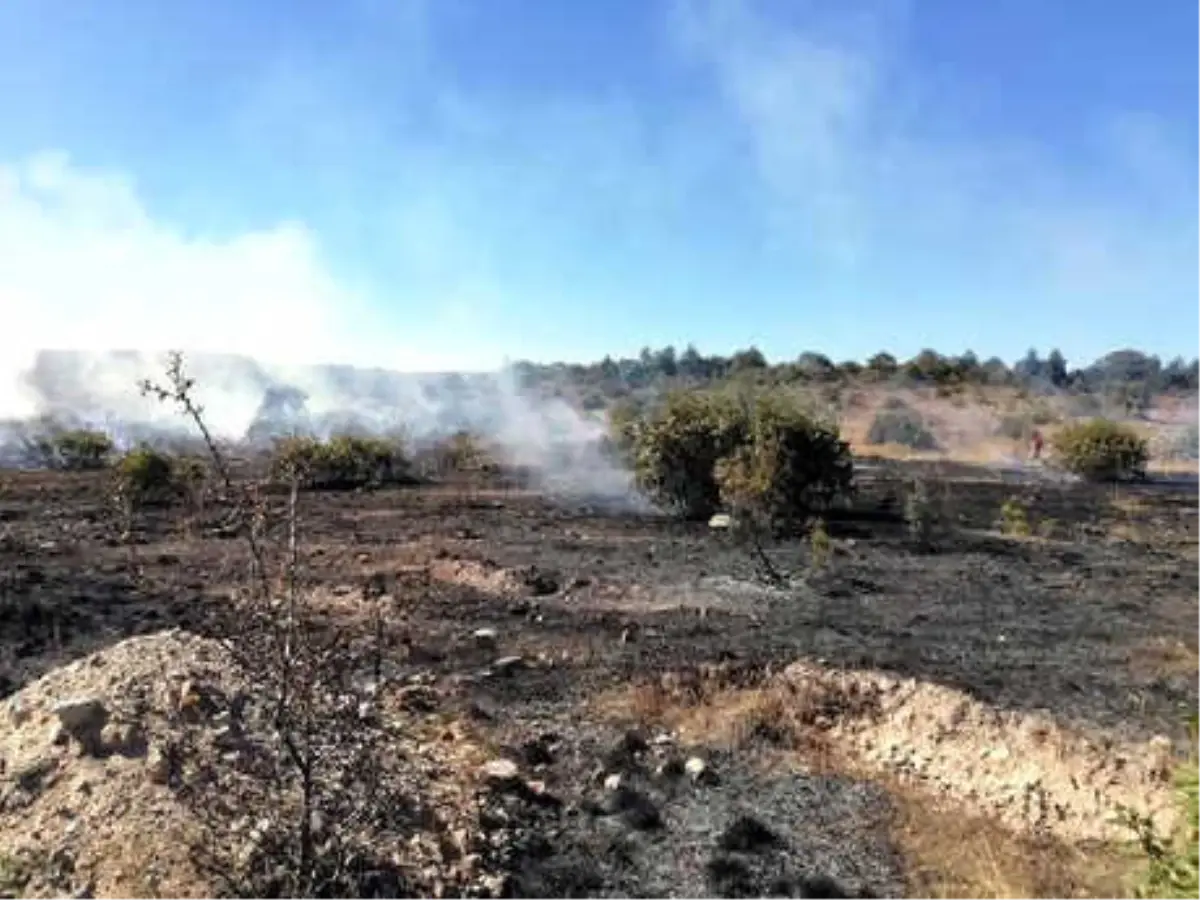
x=248 y=401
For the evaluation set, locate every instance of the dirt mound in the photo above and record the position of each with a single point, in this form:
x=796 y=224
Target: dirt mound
x=103 y=820
x=95 y=759
x=1021 y=768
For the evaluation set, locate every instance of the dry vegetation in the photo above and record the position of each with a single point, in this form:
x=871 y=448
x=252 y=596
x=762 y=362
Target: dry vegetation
x=951 y=683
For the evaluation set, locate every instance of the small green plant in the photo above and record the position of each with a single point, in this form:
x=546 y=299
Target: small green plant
x=1172 y=861
x=1014 y=520
x=1101 y=450
x=14 y=876
x=819 y=545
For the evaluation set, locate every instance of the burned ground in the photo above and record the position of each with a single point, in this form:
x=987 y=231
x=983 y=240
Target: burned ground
x=619 y=622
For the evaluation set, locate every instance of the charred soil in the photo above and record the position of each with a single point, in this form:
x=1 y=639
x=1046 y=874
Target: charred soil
x=678 y=724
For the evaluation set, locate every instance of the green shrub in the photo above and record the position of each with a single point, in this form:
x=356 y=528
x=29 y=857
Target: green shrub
x=789 y=466
x=1014 y=520
x=759 y=454
x=897 y=423
x=1173 y=862
x=74 y=450
x=820 y=545
x=342 y=462
x=677 y=448
x=146 y=475
x=1101 y=450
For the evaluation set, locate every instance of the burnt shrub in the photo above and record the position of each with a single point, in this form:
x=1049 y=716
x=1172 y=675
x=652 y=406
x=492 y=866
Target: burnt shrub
x=1101 y=450
x=898 y=423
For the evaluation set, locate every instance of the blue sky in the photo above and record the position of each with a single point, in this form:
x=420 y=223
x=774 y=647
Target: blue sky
x=446 y=183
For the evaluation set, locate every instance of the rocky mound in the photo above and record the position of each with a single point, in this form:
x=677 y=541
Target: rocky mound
x=97 y=758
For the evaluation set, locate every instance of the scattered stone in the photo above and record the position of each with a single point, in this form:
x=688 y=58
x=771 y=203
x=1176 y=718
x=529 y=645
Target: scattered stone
x=158 y=764
x=499 y=773
x=83 y=719
x=699 y=771
x=18 y=712
x=485 y=638
x=506 y=665
x=343 y=590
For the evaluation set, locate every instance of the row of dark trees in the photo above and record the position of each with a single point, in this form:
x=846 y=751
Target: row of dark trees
x=1129 y=372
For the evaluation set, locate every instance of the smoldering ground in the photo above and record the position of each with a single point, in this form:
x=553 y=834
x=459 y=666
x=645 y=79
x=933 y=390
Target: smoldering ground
x=247 y=401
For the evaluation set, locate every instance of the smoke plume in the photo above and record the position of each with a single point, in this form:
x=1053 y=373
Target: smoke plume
x=245 y=400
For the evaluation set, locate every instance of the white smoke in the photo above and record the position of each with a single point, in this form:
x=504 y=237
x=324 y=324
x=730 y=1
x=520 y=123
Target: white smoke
x=86 y=268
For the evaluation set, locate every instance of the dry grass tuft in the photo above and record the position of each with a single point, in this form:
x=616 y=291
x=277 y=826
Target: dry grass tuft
x=950 y=852
x=1163 y=657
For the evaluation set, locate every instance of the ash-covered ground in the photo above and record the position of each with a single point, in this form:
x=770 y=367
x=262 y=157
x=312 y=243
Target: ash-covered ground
x=594 y=651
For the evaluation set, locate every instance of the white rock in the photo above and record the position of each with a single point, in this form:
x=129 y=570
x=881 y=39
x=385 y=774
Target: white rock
x=612 y=782
x=720 y=520
x=500 y=770
x=696 y=768
x=485 y=637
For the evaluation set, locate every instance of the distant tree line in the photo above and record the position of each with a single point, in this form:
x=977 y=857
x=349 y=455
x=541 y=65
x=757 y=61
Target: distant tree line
x=1128 y=375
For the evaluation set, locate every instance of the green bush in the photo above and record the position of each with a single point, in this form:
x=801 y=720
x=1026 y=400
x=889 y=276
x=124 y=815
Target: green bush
x=147 y=475
x=1014 y=520
x=761 y=455
x=1101 y=450
x=789 y=466
x=342 y=462
x=677 y=449
x=74 y=450
x=897 y=423
x=1173 y=862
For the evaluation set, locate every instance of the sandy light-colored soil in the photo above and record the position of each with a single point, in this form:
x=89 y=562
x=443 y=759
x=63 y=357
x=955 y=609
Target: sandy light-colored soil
x=811 y=738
